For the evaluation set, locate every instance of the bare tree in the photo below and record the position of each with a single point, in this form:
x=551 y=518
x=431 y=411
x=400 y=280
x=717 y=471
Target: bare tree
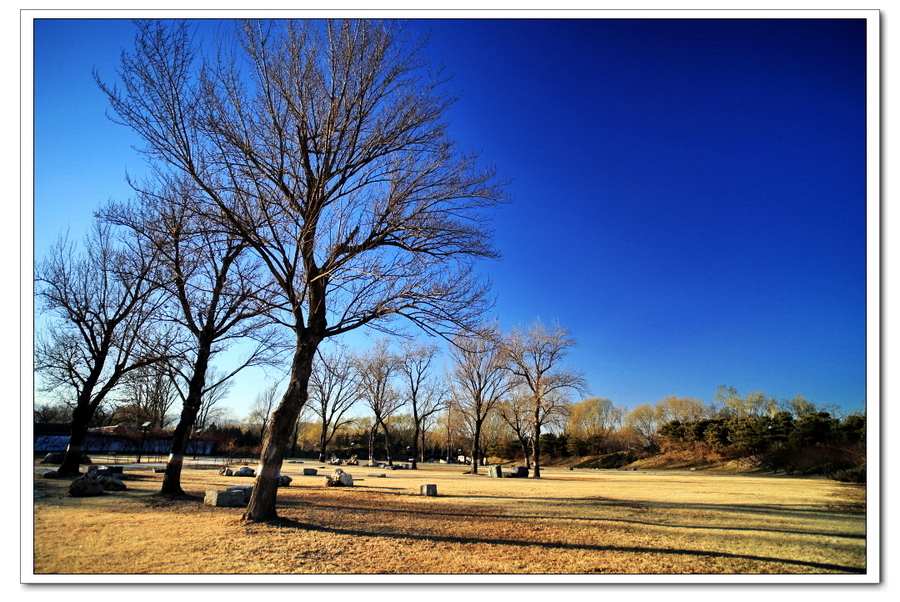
x=334 y=388
x=261 y=411
x=376 y=369
x=479 y=382
x=100 y=303
x=534 y=358
x=217 y=388
x=321 y=145
x=593 y=420
x=422 y=392
x=147 y=395
x=48 y=412
x=216 y=291
x=515 y=413
x=644 y=421
x=684 y=409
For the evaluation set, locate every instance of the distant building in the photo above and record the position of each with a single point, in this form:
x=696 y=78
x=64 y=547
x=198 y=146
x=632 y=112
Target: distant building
x=50 y=437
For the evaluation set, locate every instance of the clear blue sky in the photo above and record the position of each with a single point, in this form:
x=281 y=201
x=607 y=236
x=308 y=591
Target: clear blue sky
x=689 y=196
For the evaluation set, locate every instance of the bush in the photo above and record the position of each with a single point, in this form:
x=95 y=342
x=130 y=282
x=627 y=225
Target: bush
x=850 y=475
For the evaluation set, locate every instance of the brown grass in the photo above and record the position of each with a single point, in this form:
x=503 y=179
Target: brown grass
x=567 y=523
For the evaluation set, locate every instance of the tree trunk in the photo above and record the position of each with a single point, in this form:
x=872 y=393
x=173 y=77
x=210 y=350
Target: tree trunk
x=323 y=440
x=372 y=433
x=423 y=448
x=278 y=433
x=415 y=446
x=476 y=440
x=524 y=443
x=387 y=443
x=536 y=449
x=171 y=484
x=81 y=417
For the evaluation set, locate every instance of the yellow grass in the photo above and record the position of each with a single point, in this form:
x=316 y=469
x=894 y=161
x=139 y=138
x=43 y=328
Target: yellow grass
x=568 y=523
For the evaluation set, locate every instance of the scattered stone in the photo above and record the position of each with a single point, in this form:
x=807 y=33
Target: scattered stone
x=246 y=471
x=284 y=480
x=519 y=472
x=159 y=469
x=428 y=490
x=224 y=499
x=85 y=486
x=111 y=483
x=378 y=476
x=310 y=472
x=226 y=472
x=58 y=457
x=339 y=478
x=106 y=471
x=247 y=490
x=495 y=472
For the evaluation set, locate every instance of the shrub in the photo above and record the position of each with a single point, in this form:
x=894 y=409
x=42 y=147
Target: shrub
x=850 y=475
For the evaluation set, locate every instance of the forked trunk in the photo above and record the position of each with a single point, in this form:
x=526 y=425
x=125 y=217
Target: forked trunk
x=525 y=454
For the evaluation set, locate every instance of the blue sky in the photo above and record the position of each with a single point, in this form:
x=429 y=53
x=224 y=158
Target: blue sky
x=689 y=196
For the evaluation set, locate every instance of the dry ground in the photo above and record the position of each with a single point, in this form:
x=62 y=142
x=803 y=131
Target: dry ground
x=567 y=523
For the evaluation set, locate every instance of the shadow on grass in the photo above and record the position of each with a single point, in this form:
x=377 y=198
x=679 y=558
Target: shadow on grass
x=630 y=505
x=552 y=546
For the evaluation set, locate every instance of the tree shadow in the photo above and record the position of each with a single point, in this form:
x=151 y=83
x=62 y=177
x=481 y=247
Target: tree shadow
x=555 y=546
x=599 y=520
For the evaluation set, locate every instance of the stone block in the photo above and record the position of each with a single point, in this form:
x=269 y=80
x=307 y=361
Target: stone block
x=310 y=472
x=247 y=490
x=428 y=490
x=224 y=499
x=495 y=472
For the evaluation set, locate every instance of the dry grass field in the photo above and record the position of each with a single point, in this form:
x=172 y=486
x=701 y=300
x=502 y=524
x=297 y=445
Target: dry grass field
x=570 y=522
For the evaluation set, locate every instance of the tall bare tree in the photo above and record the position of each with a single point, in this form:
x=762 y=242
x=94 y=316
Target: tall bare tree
x=376 y=370
x=534 y=357
x=322 y=145
x=216 y=290
x=100 y=303
x=334 y=389
x=422 y=392
x=479 y=382
x=516 y=414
